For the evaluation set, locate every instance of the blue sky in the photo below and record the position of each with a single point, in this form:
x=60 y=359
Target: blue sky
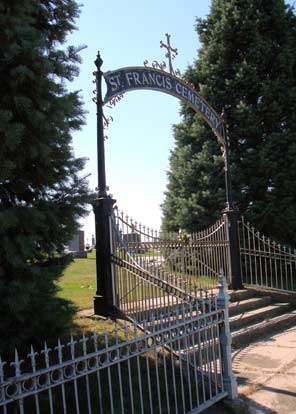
x=140 y=137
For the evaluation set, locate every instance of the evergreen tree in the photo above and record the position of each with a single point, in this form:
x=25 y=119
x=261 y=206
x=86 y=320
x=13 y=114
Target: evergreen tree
x=41 y=192
x=247 y=60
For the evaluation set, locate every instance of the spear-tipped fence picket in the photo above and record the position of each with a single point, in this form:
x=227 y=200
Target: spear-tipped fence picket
x=179 y=363
x=153 y=267
x=175 y=356
x=155 y=271
x=265 y=263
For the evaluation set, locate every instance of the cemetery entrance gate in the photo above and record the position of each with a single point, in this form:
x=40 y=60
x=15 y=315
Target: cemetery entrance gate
x=140 y=272
x=155 y=78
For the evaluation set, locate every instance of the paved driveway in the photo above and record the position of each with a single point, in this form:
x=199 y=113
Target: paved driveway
x=266 y=372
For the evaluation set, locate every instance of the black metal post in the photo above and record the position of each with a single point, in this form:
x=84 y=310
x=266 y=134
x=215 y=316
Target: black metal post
x=100 y=130
x=228 y=189
x=103 y=205
x=231 y=217
x=234 y=277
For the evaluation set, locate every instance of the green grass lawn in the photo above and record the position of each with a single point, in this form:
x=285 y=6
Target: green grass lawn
x=78 y=283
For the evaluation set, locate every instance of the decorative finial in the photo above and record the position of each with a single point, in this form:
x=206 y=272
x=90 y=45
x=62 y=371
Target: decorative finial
x=170 y=55
x=221 y=279
x=98 y=61
x=171 y=52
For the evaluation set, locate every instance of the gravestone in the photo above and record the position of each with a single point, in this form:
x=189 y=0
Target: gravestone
x=76 y=245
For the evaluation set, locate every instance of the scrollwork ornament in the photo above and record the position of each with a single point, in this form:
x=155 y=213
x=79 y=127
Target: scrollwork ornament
x=112 y=103
x=177 y=73
x=107 y=121
x=94 y=98
x=161 y=66
x=155 y=65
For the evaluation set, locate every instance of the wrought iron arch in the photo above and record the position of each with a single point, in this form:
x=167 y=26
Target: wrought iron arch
x=119 y=82
x=128 y=79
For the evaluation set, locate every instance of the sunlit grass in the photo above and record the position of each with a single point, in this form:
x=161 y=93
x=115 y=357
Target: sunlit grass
x=78 y=282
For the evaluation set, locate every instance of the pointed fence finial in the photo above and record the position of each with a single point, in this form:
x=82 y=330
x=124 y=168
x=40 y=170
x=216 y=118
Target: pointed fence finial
x=221 y=279
x=32 y=355
x=98 y=61
x=95 y=337
x=59 y=348
x=223 y=297
x=17 y=364
x=2 y=363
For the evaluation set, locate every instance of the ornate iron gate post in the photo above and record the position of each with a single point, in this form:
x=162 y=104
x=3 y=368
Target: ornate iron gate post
x=229 y=379
x=230 y=215
x=103 y=205
x=234 y=277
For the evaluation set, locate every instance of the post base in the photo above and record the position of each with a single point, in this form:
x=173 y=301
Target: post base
x=235 y=285
x=103 y=308
x=230 y=386
x=234 y=277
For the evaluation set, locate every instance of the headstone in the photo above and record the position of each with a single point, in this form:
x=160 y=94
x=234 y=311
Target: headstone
x=76 y=245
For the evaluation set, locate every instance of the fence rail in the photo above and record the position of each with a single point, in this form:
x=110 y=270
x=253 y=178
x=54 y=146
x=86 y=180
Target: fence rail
x=198 y=256
x=265 y=263
x=178 y=364
x=155 y=270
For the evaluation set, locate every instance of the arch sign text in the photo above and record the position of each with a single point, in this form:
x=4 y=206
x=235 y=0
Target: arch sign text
x=132 y=78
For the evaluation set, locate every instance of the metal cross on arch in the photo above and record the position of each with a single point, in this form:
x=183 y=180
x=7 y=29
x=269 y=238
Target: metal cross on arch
x=171 y=52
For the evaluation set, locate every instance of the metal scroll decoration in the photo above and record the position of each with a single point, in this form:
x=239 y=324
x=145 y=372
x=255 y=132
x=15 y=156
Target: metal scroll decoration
x=158 y=79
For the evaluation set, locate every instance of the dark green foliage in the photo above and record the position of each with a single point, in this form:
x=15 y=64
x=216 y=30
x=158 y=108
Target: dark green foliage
x=247 y=60
x=41 y=193
x=30 y=310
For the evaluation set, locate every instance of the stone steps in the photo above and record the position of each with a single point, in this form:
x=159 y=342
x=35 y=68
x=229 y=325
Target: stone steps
x=240 y=295
x=251 y=333
x=240 y=306
x=252 y=316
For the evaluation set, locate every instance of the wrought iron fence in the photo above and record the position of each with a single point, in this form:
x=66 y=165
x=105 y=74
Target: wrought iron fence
x=265 y=263
x=178 y=364
x=153 y=270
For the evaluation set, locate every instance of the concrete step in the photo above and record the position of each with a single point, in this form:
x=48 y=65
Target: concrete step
x=252 y=332
x=241 y=306
x=243 y=294
x=257 y=315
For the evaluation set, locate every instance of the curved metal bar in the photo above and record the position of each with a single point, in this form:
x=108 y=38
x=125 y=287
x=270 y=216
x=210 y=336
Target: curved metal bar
x=132 y=78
